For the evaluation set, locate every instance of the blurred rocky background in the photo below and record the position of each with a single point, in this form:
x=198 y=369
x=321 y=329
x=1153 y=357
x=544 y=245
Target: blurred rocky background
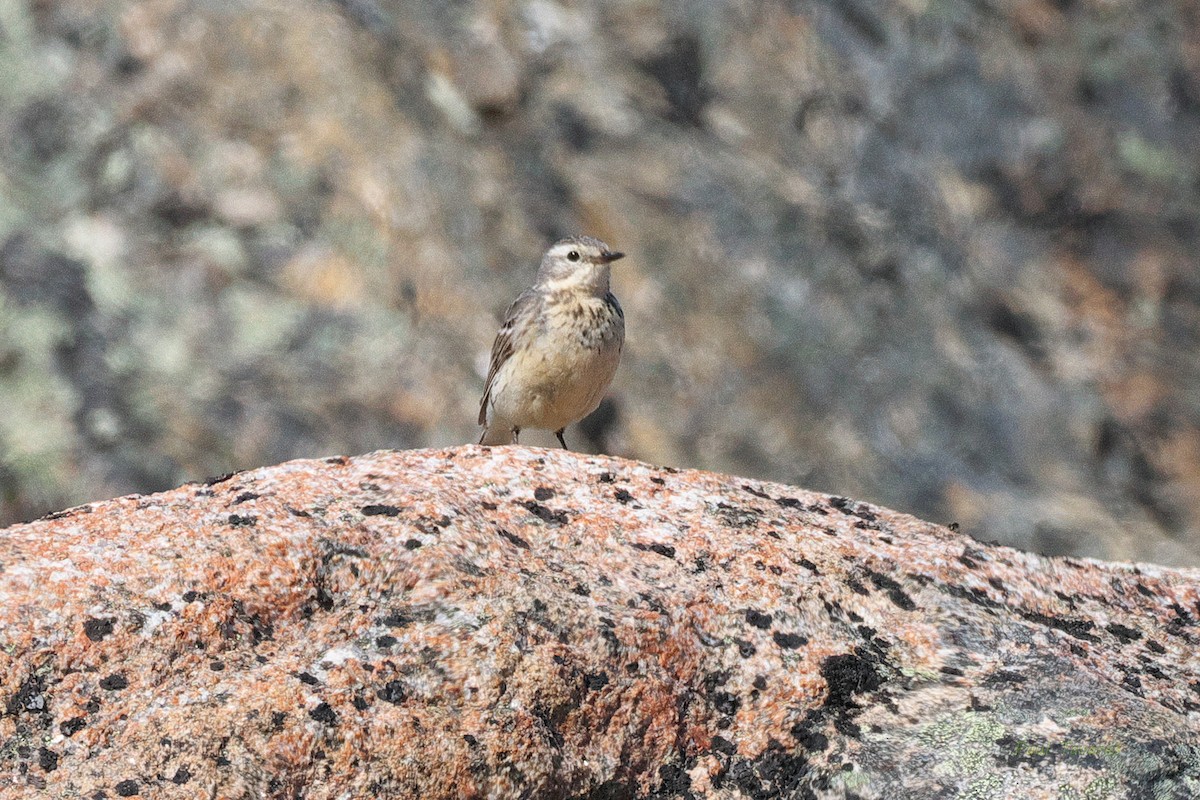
x=942 y=256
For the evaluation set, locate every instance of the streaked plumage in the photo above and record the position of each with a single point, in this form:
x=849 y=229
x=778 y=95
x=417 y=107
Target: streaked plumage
x=558 y=348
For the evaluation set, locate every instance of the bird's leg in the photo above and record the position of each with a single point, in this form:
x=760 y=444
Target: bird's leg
x=561 y=440
x=516 y=435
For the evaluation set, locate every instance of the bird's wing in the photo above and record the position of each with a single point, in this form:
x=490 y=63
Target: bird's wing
x=502 y=348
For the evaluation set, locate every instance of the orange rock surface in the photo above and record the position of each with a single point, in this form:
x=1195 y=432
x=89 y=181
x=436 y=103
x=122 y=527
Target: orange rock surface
x=516 y=622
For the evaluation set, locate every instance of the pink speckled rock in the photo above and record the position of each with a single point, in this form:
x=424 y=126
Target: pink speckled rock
x=516 y=622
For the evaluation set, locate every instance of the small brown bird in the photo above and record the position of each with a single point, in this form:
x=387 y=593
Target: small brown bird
x=559 y=345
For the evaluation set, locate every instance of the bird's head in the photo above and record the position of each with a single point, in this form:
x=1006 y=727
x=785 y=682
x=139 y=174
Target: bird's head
x=577 y=262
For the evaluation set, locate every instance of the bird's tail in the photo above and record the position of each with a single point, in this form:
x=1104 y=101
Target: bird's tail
x=497 y=434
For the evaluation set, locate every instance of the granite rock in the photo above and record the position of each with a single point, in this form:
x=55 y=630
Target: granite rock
x=517 y=622
x=938 y=255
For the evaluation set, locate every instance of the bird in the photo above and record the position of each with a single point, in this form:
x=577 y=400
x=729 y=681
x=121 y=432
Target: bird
x=559 y=345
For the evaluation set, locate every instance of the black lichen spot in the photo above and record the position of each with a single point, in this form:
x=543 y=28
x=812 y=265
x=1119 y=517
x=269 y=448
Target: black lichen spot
x=239 y=521
x=894 y=591
x=489 y=506
x=324 y=600
x=967 y=562
x=948 y=670
x=219 y=479
x=114 y=682
x=658 y=481
x=432 y=526
x=1154 y=672
x=217 y=666
x=777 y=773
x=595 y=680
x=808 y=565
x=97 y=628
x=789 y=641
x=757 y=493
x=849 y=674
x=543 y=493
x=745 y=648
x=758 y=619
x=47 y=759
x=1001 y=676
x=623 y=497
x=72 y=726
x=840 y=503
x=466 y=567
x=396 y=619
x=181 y=776
x=856 y=586
x=393 y=692
x=1182 y=617
x=607 y=477
x=127 y=788
x=512 y=538
x=380 y=511
x=865 y=514
x=725 y=703
x=412 y=544
x=1155 y=647
x=308 y=679
x=190 y=596
x=1126 y=635
x=664 y=550
x=1066 y=598
x=812 y=741
x=324 y=714
x=723 y=745
x=788 y=502
x=385 y=641
x=1079 y=628
x=734 y=517
x=973 y=595
x=614 y=643
x=245 y=497
x=545 y=514
x=337 y=461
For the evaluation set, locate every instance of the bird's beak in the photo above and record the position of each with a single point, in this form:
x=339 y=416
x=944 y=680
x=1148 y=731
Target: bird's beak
x=610 y=256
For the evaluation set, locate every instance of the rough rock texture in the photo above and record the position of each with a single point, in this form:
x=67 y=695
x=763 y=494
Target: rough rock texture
x=519 y=622
x=940 y=255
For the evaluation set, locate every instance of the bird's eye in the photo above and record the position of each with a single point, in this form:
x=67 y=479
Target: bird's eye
x=573 y=255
